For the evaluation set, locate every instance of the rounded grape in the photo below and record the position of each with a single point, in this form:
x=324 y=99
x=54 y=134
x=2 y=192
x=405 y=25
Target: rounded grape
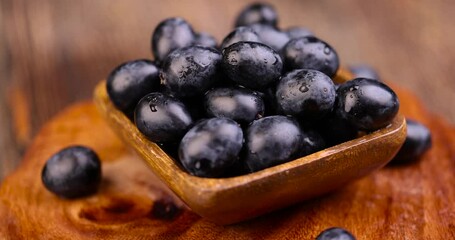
x=211 y=147
x=252 y=64
x=366 y=104
x=162 y=118
x=72 y=172
x=310 y=53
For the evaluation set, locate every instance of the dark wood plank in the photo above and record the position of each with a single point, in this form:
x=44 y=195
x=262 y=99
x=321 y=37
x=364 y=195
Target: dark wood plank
x=9 y=152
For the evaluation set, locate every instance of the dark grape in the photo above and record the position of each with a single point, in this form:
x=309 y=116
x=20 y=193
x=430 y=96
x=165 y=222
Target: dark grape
x=310 y=53
x=366 y=104
x=169 y=35
x=240 y=34
x=364 y=71
x=252 y=64
x=271 y=36
x=162 y=118
x=297 y=32
x=191 y=71
x=211 y=147
x=307 y=94
x=418 y=141
x=335 y=233
x=205 y=40
x=131 y=81
x=271 y=141
x=72 y=172
x=257 y=13
x=240 y=104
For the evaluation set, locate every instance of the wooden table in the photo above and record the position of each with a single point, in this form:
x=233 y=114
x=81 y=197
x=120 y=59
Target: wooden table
x=52 y=53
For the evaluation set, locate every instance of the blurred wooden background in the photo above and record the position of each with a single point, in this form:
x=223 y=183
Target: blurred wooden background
x=52 y=53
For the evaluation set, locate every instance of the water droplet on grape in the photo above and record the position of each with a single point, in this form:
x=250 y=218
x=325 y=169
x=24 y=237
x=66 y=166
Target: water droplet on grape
x=303 y=88
x=153 y=108
x=327 y=50
x=354 y=88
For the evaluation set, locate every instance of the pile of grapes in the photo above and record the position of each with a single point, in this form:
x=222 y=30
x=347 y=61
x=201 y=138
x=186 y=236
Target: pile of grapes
x=262 y=97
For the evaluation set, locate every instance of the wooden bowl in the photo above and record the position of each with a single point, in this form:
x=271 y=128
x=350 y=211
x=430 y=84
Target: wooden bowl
x=234 y=199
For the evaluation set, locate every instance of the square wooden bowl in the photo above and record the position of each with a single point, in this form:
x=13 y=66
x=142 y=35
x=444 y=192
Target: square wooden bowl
x=234 y=199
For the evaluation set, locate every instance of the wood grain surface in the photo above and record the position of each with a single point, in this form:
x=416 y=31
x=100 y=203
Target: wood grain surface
x=410 y=202
x=52 y=53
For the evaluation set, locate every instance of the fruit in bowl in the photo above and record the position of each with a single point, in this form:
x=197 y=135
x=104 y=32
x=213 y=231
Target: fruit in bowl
x=238 y=131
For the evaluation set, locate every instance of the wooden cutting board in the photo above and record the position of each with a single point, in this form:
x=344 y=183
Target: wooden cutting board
x=412 y=202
